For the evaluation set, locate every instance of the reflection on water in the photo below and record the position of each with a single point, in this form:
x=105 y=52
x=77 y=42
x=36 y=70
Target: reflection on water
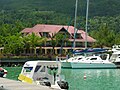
x=96 y=79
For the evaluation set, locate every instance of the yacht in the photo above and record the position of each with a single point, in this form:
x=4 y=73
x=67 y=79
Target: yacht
x=46 y=73
x=94 y=61
x=67 y=62
x=115 y=48
x=115 y=58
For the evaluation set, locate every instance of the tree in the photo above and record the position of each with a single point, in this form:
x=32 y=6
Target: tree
x=1 y=41
x=58 y=39
x=13 y=44
x=32 y=41
x=104 y=37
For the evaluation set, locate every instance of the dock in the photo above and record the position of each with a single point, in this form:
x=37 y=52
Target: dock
x=7 y=84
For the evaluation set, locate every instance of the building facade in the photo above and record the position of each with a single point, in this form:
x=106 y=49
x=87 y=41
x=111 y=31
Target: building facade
x=50 y=31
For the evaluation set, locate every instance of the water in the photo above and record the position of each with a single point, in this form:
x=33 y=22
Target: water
x=13 y=72
x=96 y=79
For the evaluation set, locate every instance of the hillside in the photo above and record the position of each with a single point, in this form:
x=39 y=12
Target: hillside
x=103 y=21
x=97 y=7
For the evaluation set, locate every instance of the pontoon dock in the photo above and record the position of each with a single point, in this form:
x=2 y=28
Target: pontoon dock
x=7 y=84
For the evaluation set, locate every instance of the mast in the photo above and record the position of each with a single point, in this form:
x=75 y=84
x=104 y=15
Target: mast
x=86 y=26
x=75 y=29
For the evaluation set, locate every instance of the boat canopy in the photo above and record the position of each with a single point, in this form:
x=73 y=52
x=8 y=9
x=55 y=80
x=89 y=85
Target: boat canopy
x=90 y=50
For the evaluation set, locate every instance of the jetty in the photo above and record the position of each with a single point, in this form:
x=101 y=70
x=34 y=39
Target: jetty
x=7 y=84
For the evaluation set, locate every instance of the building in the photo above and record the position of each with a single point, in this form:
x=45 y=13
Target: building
x=49 y=31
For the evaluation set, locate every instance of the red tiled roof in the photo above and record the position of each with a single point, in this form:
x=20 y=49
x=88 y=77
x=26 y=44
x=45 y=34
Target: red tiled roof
x=89 y=39
x=27 y=30
x=46 y=28
x=55 y=29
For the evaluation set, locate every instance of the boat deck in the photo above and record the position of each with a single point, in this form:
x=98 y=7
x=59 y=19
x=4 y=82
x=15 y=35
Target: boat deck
x=7 y=84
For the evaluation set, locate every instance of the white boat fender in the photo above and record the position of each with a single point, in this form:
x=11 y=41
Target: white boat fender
x=85 y=76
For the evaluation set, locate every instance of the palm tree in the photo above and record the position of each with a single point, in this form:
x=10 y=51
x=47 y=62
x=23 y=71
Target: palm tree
x=32 y=41
x=13 y=44
x=58 y=39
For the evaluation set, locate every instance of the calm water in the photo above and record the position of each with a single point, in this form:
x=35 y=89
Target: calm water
x=96 y=79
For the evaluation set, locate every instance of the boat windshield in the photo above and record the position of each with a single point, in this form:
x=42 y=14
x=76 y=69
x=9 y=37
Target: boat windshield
x=28 y=69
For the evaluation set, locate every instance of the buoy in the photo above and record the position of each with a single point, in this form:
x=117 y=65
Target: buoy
x=84 y=76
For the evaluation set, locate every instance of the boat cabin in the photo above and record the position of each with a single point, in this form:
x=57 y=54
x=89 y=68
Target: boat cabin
x=45 y=73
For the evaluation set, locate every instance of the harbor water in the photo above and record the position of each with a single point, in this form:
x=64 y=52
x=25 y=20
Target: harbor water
x=83 y=79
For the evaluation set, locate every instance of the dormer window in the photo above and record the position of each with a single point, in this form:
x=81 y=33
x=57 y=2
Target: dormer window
x=78 y=36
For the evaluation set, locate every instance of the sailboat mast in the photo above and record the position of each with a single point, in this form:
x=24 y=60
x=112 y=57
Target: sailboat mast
x=75 y=29
x=86 y=26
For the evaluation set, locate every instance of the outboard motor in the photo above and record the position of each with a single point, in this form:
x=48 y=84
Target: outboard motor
x=47 y=84
x=63 y=84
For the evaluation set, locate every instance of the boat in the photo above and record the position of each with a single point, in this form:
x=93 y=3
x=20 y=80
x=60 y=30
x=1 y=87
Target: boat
x=91 y=62
x=115 y=48
x=115 y=58
x=3 y=72
x=67 y=62
x=46 y=73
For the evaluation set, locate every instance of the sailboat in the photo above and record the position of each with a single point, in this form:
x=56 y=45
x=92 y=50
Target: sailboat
x=99 y=61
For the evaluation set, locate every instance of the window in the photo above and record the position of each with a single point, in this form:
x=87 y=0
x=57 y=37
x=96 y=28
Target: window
x=44 y=34
x=93 y=59
x=28 y=69
x=78 y=36
x=38 y=67
x=79 y=58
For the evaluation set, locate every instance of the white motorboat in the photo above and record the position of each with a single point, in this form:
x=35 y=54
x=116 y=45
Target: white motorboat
x=115 y=48
x=46 y=73
x=115 y=58
x=95 y=61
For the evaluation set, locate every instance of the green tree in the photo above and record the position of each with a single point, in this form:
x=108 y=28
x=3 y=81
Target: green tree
x=58 y=40
x=13 y=44
x=104 y=37
x=32 y=41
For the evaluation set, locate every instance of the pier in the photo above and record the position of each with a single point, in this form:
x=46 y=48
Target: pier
x=7 y=84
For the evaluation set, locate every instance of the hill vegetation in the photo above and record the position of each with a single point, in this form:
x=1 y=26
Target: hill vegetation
x=104 y=17
x=97 y=7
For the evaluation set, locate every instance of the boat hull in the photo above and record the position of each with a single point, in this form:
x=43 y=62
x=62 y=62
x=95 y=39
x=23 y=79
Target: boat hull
x=80 y=65
x=66 y=65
